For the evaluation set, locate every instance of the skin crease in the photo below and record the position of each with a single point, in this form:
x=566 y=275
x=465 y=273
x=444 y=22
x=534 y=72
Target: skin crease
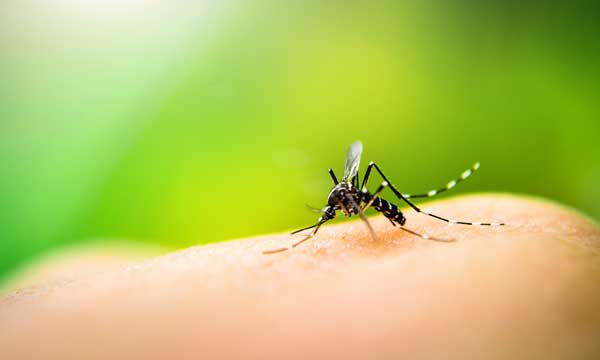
x=530 y=289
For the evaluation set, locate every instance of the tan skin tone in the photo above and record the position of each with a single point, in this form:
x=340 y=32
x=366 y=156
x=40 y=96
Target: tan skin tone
x=527 y=290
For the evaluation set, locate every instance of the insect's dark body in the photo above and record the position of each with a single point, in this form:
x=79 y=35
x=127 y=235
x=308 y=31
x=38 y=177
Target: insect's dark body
x=388 y=210
x=353 y=198
x=345 y=196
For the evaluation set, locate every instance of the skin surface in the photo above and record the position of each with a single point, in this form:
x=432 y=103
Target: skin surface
x=530 y=289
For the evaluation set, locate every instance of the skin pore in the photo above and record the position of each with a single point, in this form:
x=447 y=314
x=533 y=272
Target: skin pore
x=530 y=289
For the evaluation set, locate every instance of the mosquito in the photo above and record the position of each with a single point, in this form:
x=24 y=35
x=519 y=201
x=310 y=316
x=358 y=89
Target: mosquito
x=351 y=197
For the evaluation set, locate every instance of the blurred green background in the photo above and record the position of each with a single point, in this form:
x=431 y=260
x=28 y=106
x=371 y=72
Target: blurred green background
x=180 y=123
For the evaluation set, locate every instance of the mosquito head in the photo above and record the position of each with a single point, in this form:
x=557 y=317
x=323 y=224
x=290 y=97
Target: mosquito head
x=328 y=212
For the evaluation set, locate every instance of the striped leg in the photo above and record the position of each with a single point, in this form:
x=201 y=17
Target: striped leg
x=425 y=236
x=374 y=195
x=448 y=186
x=393 y=214
x=401 y=197
x=333 y=177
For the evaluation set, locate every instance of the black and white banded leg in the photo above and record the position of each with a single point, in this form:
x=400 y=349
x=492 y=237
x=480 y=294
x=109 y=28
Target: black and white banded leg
x=448 y=186
x=425 y=236
x=391 y=212
x=401 y=197
x=374 y=195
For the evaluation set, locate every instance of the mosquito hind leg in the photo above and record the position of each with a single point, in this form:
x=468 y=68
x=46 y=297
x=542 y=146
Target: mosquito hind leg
x=395 y=216
x=452 y=183
x=415 y=208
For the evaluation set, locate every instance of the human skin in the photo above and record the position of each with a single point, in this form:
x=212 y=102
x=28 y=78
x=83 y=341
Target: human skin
x=530 y=289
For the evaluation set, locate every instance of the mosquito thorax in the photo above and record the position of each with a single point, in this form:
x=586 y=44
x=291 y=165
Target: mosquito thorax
x=339 y=192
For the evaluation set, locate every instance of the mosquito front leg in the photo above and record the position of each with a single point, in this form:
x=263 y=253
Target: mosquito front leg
x=333 y=177
x=362 y=216
x=312 y=233
x=309 y=236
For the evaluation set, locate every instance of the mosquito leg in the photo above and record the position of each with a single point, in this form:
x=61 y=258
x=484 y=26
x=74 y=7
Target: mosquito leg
x=425 y=236
x=401 y=197
x=275 y=251
x=333 y=177
x=309 y=236
x=355 y=181
x=308 y=227
x=312 y=233
x=448 y=186
x=393 y=214
x=367 y=174
x=363 y=217
x=398 y=194
x=303 y=240
x=374 y=195
x=345 y=210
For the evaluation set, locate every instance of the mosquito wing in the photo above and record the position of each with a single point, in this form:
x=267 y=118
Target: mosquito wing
x=352 y=161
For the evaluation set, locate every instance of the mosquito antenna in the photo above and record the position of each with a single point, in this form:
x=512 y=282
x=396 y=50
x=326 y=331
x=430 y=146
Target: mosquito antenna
x=314 y=209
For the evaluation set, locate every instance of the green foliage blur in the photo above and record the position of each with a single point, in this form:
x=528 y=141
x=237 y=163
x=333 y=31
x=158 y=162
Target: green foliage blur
x=182 y=123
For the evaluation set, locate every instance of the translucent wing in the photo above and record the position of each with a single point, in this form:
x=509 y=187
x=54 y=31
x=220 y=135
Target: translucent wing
x=352 y=161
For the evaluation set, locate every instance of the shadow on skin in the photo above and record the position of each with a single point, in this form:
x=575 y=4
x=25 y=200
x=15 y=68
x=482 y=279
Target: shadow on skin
x=529 y=289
